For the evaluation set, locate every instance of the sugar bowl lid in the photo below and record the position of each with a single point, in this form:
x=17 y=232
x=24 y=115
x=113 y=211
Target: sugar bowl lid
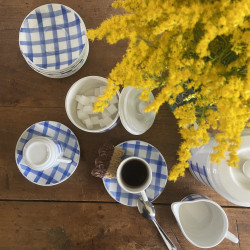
x=131 y=111
x=236 y=181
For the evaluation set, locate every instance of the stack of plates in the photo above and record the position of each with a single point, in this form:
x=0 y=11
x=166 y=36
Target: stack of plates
x=53 y=40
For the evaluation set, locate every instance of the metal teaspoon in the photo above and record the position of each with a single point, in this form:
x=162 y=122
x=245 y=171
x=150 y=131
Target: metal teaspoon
x=147 y=210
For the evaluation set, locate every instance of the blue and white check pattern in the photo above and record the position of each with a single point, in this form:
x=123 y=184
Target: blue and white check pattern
x=193 y=197
x=60 y=172
x=159 y=173
x=200 y=173
x=52 y=37
x=68 y=71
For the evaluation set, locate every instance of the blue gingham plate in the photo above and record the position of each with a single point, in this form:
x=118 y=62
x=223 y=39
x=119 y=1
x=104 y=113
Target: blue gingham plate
x=67 y=72
x=62 y=171
x=159 y=173
x=52 y=37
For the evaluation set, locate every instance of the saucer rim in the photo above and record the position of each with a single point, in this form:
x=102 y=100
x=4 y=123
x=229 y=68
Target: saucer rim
x=151 y=180
x=46 y=4
x=51 y=184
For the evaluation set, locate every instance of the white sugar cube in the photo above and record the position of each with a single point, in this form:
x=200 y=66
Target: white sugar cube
x=114 y=100
x=83 y=120
x=97 y=91
x=79 y=105
x=99 y=115
x=81 y=114
x=77 y=98
x=107 y=121
x=88 y=123
x=93 y=99
x=94 y=120
x=88 y=109
x=105 y=113
x=112 y=109
x=84 y=100
x=102 y=88
x=101 y=123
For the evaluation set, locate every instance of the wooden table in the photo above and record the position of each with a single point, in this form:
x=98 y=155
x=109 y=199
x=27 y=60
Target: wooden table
x=79 y=213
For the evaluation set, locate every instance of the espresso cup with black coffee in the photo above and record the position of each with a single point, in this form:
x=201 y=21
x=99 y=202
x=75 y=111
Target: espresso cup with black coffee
x=134 y=175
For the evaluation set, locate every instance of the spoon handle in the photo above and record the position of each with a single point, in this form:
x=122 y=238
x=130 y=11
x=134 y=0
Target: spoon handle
x=164 y=236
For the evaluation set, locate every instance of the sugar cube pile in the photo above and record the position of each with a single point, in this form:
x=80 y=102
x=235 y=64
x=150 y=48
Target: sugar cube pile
x=91 y=120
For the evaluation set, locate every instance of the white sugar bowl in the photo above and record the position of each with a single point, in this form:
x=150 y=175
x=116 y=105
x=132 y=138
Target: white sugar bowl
x=125 y=106
x=80 y=101
x=231 y=183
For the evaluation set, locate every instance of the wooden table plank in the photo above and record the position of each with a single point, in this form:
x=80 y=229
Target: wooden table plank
x=25 y=87
x=59 y=225
x=21 y=85
x=79 y=213
x=81 y=186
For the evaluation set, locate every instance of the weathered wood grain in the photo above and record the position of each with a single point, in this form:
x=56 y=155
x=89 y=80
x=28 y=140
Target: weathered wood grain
x=21 y=85
x=60 y=225
x=79 y=213
x=81 y=186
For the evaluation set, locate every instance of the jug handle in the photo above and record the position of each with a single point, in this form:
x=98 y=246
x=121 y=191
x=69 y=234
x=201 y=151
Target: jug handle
x=231 y=237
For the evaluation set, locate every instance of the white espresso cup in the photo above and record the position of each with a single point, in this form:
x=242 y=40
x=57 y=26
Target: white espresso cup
x=41 y=153
x=134 y=175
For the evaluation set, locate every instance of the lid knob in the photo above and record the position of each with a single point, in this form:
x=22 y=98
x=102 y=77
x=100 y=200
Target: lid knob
x=246 y=168
x=141 y=106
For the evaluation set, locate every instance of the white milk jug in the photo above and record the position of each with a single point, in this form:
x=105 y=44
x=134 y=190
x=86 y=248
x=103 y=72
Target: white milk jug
x=202 y=221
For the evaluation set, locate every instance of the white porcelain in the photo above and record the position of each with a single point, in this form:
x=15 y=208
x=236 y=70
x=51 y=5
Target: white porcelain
x=159 y=173
x=131 y=111
x=130 y=107
x=41 y=153
x=246 y=168
x=61 y=171
x=202 y=221
x=131 y=189
x=231 y=183
x=68 y=72
x=54 y=55
x=86 y=86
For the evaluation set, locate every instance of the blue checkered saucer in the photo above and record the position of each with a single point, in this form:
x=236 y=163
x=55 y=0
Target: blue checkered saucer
x=52 y=39
x=60 y=172
x=159 y=173
x=67 y=72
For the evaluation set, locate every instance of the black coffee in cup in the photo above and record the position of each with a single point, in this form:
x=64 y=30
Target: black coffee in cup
x=134 y=173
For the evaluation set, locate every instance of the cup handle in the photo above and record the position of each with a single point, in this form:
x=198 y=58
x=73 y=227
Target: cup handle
x=64 y=160
x=231 y=237
x=144 y=196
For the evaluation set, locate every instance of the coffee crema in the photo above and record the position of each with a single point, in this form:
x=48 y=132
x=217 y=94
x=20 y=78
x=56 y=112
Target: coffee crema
x=134 y=173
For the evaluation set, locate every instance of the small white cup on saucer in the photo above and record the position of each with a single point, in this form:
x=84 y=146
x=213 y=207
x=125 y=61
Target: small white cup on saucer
x=41 y=153
x=134 y=175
